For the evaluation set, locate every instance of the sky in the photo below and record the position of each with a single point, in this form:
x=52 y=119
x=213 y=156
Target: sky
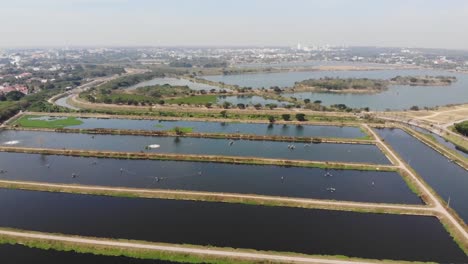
x=387 y=23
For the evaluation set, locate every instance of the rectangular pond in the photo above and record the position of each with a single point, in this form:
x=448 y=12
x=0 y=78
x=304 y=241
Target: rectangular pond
x=350 y=185
x=447 y=178
x=202 y=146
x=220 y=127
x=378 y=236
x=18 y=254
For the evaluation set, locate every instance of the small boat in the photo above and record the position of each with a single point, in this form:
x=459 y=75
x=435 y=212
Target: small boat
x=331 y=189
x=153 y=146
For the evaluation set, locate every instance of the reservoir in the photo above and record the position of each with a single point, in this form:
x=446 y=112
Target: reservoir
x=202 y=146
x=446 y=178
x=350 y=185
x=397 y=97
x=377 y=236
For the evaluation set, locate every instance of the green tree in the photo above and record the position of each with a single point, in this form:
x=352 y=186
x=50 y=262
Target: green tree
x=14 y=96
x=286 y=117
x=226 y=105
x=241 y=106
x=300 y=117
x=462 y=128
x=271 y=119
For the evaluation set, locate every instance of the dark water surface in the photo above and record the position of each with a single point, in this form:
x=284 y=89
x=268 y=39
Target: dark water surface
x=445 y=177
x=350 y=185
x=307 y=231
x=203 y=146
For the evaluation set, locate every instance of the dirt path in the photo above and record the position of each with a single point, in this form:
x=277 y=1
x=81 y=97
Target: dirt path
x=261 y=257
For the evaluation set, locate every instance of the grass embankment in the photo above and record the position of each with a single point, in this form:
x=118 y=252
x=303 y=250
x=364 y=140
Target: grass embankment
x=201 y=158
x=32 y=121
x=96 y=248
x=194 y=100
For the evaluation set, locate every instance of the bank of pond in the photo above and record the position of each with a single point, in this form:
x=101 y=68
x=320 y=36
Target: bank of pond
x=375 y=236
x=442 y=141
x=195 y=126
x=349 y=185
x=447 y=178
x=361 y=153
x=19 y=254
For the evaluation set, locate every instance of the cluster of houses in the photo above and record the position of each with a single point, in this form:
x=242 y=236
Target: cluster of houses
x=6 y=88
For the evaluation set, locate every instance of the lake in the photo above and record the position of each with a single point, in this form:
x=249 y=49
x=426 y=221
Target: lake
x=176 y=82
x=398 y=97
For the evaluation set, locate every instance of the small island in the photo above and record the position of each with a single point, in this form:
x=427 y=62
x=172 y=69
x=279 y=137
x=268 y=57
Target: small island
x=366 y=85
x=423 y=80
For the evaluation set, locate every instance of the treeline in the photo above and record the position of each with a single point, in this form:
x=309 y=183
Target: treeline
x=34 y=102
x=462 y=128
x=147 y=95
x=199 y=62
x=328 y=83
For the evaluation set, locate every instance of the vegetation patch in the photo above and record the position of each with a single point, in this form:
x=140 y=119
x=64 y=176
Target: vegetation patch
x=462 y=128
x=47 y=122
x=194 y=100
x=181 y=130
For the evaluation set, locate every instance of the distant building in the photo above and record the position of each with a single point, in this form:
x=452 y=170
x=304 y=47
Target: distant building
x=23 y=75
x=20 y=88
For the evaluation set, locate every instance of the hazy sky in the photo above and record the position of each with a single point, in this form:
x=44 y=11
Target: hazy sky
x=413 y=23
